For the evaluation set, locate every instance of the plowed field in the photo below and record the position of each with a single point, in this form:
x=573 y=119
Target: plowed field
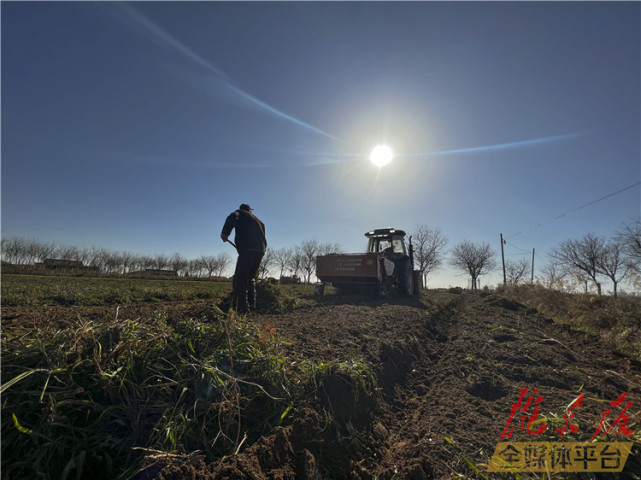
x=448 y=369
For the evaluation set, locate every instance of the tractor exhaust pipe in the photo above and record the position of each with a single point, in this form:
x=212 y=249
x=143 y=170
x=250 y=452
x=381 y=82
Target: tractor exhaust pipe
x=417 y=279
x=411 y=252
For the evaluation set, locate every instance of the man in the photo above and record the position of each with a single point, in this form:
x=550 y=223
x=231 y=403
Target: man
x=251 y=244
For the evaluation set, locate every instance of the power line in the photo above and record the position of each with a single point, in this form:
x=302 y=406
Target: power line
x=518 y=248
x=577 y=209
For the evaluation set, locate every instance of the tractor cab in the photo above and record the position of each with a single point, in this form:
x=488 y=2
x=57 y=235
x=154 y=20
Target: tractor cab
x=386 y=241
x=395 y=260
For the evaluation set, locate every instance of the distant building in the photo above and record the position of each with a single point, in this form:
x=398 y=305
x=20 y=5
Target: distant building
x=55 y=263
x=66 y=265
x=156 y=272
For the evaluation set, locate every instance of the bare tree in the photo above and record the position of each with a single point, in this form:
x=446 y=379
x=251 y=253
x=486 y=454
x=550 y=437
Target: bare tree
x=282 y=258
x=135 y=263
x=581 y=281
x=329 y=248
x=24 y=251
x=147 y=261
x=309 y=251
x=198 y=268
x=612 y=264
x=83 y=255
x=126 y=261
x=429 y=245
x=630 y=238
x=553 y=276
x=161 y=261
x=475 y=259
x=295 y=264
x=44 y=250
x=96 y=257
x=14 y=250
x=582 y=255
x=67 y=252
x=515 y=271
x=113 y=262
x=193 y=268
x=266 y=263
x=634 y=279
x=30 y=251
x=223 y=260
x=178 y=263
x=207 y=263
x=9 y=250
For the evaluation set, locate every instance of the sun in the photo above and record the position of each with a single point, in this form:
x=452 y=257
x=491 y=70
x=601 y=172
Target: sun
x=381 y=155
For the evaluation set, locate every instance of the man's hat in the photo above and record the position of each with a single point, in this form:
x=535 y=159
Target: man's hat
x=245 y=207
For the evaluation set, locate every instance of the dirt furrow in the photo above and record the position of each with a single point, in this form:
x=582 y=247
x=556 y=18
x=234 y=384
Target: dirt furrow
x=449 y=370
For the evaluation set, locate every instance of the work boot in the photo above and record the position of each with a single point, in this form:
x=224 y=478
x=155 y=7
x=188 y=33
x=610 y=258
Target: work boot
x=251 y=294
x=242 y=307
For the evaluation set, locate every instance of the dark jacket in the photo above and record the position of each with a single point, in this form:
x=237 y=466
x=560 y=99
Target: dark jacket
x=250 y=231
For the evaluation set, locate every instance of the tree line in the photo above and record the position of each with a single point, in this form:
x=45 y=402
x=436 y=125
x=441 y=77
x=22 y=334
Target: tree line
x=587 y=261
x=593 y=259
x=299 y=261
x=21 y=251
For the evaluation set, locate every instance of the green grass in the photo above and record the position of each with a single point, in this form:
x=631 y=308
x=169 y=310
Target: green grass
x=615 y=321
x=109 y=398
x=33 y=290
x=103 y=397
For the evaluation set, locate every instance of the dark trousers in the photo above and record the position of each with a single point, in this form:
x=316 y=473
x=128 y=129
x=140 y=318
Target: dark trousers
x=244 y=283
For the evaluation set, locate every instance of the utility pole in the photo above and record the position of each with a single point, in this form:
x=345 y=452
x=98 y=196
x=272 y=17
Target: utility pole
x=532 y=279
x=503 y=258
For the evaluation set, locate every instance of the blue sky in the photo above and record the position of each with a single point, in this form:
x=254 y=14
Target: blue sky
x=140 y=126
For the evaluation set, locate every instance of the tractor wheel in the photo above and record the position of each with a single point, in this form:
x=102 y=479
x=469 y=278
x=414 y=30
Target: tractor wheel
x=417 y=280
x=406 y=280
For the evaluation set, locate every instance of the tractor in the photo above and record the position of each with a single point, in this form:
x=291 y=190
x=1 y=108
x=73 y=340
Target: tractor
x=387 y=267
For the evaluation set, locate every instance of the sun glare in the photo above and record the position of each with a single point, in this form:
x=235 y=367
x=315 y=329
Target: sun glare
x=381 y=155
